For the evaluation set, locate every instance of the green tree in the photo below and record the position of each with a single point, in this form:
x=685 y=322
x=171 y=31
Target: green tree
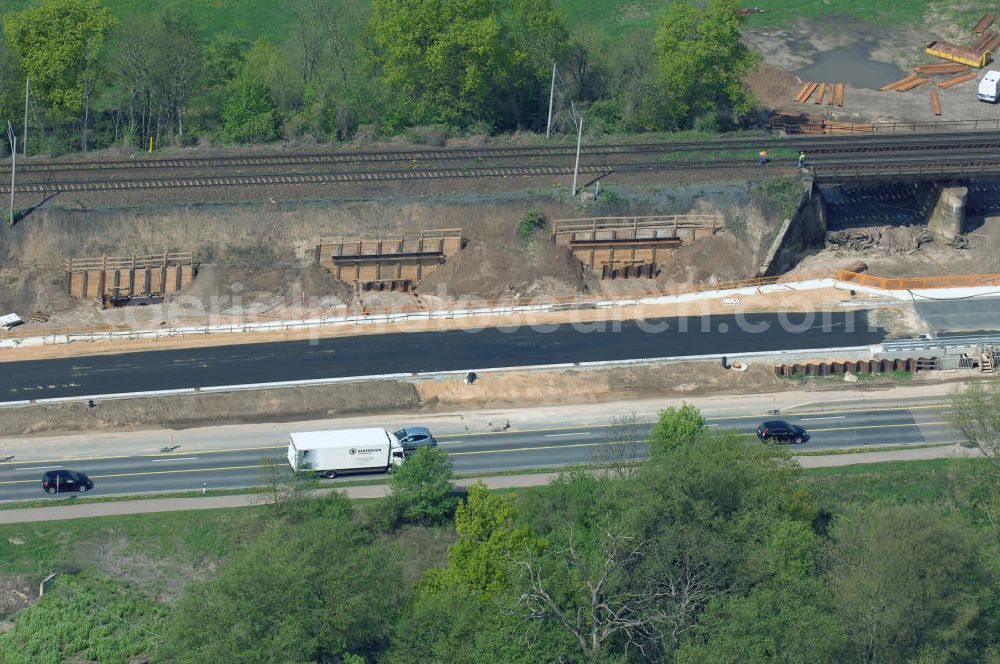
x=487 y=538
x=538 y=37
x=789 y=622
x=422 y=489
x=446 y=59
x=702 y=63
x=676 y=427
x=907 y=581
x=224 y=57
x=59 y=43
x=249 y=113
x=272 y=68
x=312 y=591
x=11 y=81
x=786 y=615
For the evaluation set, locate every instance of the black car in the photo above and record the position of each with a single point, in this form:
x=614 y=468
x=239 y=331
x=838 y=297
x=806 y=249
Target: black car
x=413 y=437
x=65 y=480
x=779 y=431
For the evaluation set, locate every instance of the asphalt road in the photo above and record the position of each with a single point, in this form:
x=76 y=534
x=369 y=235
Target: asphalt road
x=482 y=452
x=452 y=350
x=979 y=315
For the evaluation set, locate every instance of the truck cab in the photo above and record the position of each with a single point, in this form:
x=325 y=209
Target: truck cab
x=989 y=87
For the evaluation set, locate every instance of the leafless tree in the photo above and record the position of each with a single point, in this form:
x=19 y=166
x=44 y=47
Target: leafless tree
x=620 y=449
x=285 y=493
x=184 y=51
x=321 y=35
x=645 y=612
x=155 y=66
x=975 y=413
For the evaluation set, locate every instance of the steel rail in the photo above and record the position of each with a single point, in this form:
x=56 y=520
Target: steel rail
x=809 y=145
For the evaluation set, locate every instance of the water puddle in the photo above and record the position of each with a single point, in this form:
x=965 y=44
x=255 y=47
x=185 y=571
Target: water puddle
x=853 y=66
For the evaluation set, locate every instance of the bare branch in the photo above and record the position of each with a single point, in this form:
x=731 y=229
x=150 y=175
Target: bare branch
x=621 y=448
x=975 y=414
x=647 y=611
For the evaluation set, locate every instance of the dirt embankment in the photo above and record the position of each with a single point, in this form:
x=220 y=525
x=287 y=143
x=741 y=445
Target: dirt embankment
x=180 y=411
x=262 y=256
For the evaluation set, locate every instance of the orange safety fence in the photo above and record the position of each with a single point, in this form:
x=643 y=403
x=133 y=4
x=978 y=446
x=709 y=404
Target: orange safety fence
x=919 y=283
x=490 y=307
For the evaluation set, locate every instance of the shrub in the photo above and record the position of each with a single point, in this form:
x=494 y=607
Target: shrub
x=422 y=490
x=533 y=221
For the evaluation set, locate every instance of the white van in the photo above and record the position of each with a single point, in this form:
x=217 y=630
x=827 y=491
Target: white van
x=989 y=87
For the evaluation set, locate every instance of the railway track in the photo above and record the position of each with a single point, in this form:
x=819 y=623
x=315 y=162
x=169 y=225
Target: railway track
x=825 y=154
x=811 y=145
x=842 y=168
x=300 y=178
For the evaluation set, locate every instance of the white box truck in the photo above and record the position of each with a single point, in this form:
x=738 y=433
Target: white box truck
x=331 y=453
x=989 y=87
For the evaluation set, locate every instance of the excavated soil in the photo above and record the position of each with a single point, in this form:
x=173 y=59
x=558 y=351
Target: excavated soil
x=179 y=411
x=910 y=251
x=260 y=258
x=16 y=592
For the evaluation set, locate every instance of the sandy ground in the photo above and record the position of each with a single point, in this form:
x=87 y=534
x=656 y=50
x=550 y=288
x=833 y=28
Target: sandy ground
x=261 y=257
x=790 y=49
x=892 y=258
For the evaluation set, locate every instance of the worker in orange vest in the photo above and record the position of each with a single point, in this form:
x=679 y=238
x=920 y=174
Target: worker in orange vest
x=762 y=157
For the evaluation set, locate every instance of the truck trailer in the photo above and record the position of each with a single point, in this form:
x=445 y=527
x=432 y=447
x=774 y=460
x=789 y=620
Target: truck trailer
x=332 y=453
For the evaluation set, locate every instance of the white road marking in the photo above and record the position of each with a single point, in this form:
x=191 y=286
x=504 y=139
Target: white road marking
x=38 y=468
x=816 y=419
x=560 y=435
x=176 y=459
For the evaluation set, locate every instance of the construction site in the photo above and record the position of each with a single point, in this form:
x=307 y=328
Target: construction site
x=887 y=185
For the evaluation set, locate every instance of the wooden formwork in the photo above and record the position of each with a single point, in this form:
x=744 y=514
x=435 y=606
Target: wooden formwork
x=114 y=281
x=388 y=262
x=624 y=247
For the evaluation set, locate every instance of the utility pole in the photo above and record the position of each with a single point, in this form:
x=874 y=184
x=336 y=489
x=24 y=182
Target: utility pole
x=579 y=135
x=27 y=94
x=12 y=137
x=552 y=94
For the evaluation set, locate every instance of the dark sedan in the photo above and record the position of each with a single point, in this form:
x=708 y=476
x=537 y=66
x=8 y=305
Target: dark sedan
x=55 y=481
x=779 y=431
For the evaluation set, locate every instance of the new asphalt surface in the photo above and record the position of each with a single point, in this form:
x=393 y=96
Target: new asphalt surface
x=453 y=350
x=470 y=452
x=979 y=315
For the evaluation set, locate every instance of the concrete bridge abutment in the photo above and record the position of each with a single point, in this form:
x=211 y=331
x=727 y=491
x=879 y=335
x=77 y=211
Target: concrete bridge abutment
x=947 y=218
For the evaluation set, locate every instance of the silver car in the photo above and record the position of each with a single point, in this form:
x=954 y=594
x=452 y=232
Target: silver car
x=412 y=438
